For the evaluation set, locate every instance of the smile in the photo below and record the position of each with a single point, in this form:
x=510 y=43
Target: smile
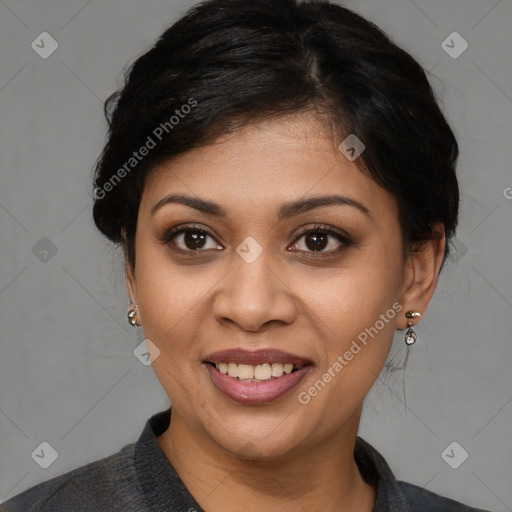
x=256 y=373
x=256 y=377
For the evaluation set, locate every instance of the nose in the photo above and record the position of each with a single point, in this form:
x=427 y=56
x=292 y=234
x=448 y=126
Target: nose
x=254 y=295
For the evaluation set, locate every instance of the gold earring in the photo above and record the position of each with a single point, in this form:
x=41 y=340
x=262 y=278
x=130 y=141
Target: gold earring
x=410 y=335
x=132 y=315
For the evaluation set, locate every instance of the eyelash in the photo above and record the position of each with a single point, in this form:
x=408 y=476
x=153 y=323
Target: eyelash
x=317 y=228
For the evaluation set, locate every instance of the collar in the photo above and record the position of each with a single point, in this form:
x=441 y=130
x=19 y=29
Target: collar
x=165 y=491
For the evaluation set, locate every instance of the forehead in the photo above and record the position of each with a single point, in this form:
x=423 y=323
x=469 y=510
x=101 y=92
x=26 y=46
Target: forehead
x=267 y=163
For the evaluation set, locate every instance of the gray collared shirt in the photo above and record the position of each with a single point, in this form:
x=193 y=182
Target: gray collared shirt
x=140 y=478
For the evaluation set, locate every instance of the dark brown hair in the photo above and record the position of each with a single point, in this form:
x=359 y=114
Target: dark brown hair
x=229 y=63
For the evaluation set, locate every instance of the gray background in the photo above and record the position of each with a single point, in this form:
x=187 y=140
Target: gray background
x=68 y=375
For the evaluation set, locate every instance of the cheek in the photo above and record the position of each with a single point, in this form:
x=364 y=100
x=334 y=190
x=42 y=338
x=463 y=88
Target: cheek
x=352 y=298
x=173 y=313
x=167 y=291
x=357 y=311
x=172 y=305
x=357 y=331
x=354 y=350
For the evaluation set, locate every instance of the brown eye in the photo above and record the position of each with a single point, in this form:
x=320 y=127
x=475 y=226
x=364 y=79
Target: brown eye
x=318 y=238
x=189 y=238
x=316 y=241
x=194 y=240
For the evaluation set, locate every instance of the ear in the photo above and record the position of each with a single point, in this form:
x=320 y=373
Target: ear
x=129 y=272
x=420 y=276
x=131 y=283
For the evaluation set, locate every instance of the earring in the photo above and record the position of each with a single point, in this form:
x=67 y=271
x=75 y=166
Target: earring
x=132 y=315
x=410 y=335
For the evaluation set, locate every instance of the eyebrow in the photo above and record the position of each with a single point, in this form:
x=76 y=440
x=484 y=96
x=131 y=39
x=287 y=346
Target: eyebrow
x=286 y=210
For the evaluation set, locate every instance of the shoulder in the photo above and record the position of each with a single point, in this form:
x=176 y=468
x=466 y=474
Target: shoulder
x=421 y=500
x=106 y=484
x=393 y=494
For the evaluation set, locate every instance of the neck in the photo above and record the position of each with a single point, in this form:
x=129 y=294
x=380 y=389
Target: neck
x=322 y=476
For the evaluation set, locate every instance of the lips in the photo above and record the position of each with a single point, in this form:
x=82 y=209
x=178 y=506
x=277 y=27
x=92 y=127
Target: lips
x=242 y=384
x=262 y=356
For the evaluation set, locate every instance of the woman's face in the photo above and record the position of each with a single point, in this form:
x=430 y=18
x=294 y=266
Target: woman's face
x=256 y=291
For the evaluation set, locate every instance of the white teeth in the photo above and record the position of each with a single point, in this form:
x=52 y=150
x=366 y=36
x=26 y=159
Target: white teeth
x=245 y=371
x=263 y=372
x=232 y=369
x=288 y=368
x=260 y=372
x=277 y=369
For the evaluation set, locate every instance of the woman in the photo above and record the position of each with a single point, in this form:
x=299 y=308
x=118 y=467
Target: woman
x=283 y=185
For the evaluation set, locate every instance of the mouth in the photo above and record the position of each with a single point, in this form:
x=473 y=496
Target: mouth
x=263 y=372
x=256 y=377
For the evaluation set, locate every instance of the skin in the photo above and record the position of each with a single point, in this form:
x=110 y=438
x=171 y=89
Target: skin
x=282 y=455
